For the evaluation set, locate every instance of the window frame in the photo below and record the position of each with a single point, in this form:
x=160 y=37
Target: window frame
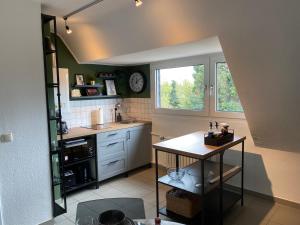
x=176 y=63
x=214 y=59
x=209 y=61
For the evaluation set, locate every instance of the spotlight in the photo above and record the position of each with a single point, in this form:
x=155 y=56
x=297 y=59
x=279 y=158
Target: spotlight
x=68 y=30
x=138 y=3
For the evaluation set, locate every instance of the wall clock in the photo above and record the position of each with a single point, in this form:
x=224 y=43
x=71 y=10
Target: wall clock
x=137 y=82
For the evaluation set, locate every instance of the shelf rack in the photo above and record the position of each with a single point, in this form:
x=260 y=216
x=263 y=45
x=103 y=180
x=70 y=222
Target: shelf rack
x=52 y=86
x=216 y=197
x=88 y=144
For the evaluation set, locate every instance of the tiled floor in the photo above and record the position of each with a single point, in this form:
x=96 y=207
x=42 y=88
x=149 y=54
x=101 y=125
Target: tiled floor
x=256 y=211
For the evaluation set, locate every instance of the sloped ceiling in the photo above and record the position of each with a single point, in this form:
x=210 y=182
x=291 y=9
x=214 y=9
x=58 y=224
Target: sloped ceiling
x=260 y=40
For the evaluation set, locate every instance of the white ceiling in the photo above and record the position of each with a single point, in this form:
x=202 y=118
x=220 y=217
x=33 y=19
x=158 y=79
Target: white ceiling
x=88 y=24
x=209 y=45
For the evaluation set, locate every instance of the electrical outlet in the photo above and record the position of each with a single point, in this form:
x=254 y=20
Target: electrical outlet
x=7 y=138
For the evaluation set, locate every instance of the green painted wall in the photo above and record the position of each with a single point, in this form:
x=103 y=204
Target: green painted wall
x=66 y=60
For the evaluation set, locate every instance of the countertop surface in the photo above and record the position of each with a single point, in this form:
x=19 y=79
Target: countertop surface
x=192 y=145
x=82 y=131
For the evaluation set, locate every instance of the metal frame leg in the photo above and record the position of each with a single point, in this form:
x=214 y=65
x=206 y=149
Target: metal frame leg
x=242 y=174
x=177 y=162
x=156 y=180
x=202 y=193
x=221 y=189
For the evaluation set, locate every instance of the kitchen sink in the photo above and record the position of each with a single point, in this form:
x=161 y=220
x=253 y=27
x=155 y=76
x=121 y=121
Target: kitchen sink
x=128 y=121
x=97 y=126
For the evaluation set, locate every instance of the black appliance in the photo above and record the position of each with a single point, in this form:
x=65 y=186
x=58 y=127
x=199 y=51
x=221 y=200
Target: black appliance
x=70 y=178
x=79 y=149
x=80 y=162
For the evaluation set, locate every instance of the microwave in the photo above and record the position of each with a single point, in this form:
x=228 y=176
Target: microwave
x=79 y=149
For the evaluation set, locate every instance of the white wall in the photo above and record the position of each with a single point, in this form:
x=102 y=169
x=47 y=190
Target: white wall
x=25 y=196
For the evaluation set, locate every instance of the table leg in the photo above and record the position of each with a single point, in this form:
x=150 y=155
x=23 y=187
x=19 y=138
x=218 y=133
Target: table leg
x=156 y=180
x=221 y=189
x=202 y=193
x=242 y=178
x=177 y=162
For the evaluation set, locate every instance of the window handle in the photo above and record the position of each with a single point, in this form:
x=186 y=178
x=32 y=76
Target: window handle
x=211 y=90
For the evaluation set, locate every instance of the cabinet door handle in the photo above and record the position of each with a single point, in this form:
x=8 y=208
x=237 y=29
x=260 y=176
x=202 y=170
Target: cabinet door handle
x=111 y=144
x=113 y=162
x=112 y=134
x=128 y=135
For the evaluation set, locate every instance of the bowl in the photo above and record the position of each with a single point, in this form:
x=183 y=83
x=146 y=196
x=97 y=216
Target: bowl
x=176 y=174
x=112 y=217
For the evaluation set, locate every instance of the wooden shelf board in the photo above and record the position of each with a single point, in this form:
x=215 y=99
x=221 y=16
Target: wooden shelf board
x=94 y=97
x=189 y=181
x=88 y=86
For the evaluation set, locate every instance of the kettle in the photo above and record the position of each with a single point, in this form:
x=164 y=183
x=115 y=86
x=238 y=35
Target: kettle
x=64 y=127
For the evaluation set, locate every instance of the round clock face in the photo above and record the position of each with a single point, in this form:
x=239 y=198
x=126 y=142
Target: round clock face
x=136 y=82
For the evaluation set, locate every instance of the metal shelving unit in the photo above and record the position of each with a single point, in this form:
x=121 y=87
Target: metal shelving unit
x=216 y=197
x=80 y=153
x=53 y=114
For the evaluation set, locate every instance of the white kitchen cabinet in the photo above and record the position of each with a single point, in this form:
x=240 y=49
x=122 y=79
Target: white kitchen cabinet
x=112 y=153
x=138 y=142
x=123 y=150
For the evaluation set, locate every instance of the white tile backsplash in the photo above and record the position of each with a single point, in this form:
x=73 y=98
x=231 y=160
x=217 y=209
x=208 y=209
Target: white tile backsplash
x=81 y=111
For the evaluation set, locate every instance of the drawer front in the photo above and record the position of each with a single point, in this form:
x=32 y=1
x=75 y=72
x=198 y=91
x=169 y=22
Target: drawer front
x=110 y=149
x=113 y=167
x=110 y=135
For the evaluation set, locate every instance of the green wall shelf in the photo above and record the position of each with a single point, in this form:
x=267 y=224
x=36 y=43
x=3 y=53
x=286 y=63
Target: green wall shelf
x=95 y=97
x=89 y=86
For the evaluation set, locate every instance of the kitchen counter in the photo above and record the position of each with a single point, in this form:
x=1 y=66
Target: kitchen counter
x=81 y=131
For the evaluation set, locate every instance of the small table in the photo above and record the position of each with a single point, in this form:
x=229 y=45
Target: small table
x=192 y=146
x=133 y=208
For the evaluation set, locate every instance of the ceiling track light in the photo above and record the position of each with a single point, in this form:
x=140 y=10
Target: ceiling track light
x=68 y=30
x=138 y=3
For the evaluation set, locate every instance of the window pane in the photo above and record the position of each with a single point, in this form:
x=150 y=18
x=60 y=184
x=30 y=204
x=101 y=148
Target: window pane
x=227 y=99
x=181 y=88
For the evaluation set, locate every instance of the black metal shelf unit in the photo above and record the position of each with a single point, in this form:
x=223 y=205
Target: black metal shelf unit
x=53 y=113
x=217 y=197
x=80 y=163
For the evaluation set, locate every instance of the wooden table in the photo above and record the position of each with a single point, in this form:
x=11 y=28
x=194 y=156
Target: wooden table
x=192 y=145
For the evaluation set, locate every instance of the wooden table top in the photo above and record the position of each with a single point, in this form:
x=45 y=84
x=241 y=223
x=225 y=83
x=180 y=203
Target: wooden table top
x=152 y=222
x=192 y=145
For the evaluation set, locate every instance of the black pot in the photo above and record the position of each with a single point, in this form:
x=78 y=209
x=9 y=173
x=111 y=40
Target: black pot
x=112 y=217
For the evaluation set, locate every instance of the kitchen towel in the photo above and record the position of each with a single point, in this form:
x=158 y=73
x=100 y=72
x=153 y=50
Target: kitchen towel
x=97 y=116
